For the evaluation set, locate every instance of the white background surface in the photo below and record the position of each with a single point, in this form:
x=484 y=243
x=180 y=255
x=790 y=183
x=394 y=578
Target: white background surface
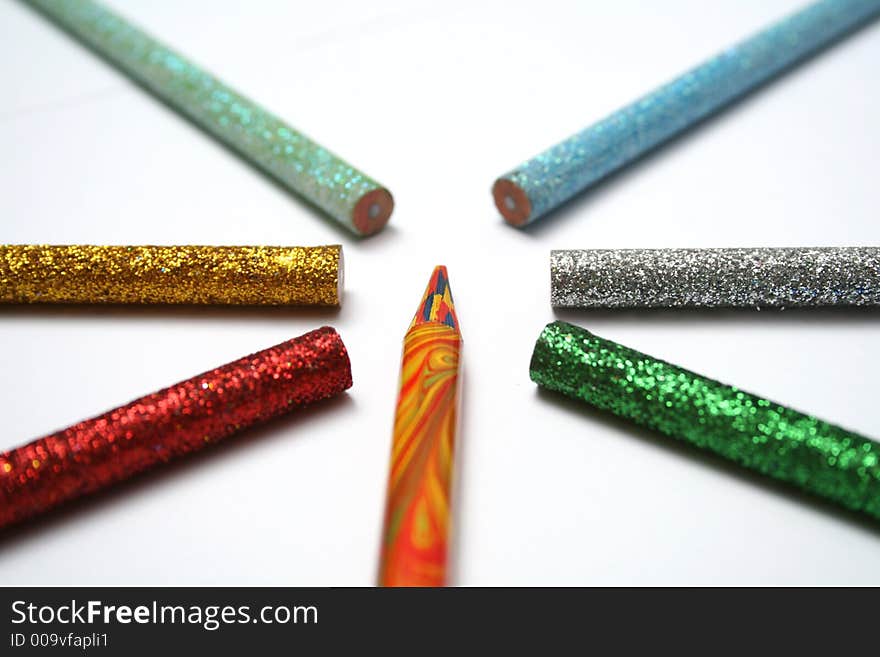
x=435 y=101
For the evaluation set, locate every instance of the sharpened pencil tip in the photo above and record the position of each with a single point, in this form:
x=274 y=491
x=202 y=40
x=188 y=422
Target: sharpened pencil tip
x=437 y=304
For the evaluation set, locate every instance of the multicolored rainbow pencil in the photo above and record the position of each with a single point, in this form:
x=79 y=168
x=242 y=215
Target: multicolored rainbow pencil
x=416 y=534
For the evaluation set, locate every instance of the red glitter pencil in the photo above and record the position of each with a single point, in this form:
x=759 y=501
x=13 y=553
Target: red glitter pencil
x=184 y=418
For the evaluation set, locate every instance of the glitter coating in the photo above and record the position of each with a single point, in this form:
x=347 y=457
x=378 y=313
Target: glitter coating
x=715 y=278
x=417 y=519
x=349 y=196
x=754 y=432
x=232 y=275
x=553 y=177
x=184 y=418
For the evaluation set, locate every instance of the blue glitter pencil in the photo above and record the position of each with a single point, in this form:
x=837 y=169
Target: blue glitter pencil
x=553 y=177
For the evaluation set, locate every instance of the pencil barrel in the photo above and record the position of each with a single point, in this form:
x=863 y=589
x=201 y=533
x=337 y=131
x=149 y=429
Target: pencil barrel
x=229 y=275
x=715 y=278
x=757 y=433
x=553 y=177
x=184 y=418
x=417 y=518
x=300 y=164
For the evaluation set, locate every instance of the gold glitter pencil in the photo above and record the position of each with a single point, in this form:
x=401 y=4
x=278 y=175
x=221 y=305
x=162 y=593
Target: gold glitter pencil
x=224 y=275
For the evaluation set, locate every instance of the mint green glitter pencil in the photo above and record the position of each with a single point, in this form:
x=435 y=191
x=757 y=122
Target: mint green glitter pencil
x=301 y=165
x=757 y=433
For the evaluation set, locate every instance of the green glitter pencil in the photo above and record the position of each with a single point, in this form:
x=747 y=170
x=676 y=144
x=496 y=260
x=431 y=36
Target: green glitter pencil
x=757 y=433
x=349 y=196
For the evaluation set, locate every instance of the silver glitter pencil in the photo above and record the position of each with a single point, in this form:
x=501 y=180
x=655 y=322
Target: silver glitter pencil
x=301 y=165
x=715 y=278
x=555 y=176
